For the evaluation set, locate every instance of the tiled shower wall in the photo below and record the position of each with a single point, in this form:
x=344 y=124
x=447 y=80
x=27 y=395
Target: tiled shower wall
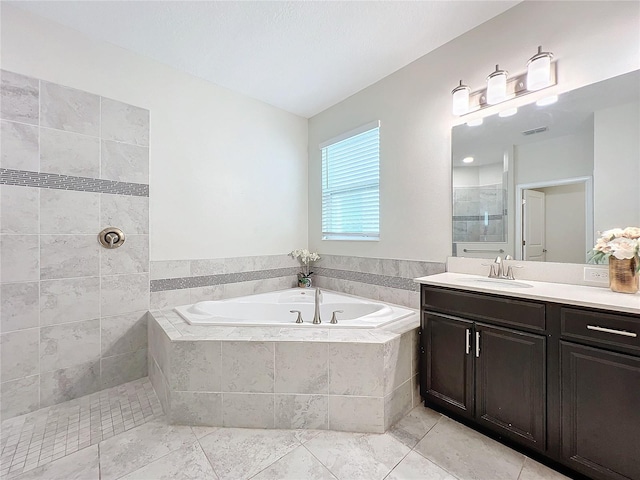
x=73 y=314
x=479 y=213
x=181 y=282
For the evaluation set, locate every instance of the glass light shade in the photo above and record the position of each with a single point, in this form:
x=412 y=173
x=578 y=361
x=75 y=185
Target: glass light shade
x=497 y=87
x=539 y=70
x=460 y=99
x=476 y=122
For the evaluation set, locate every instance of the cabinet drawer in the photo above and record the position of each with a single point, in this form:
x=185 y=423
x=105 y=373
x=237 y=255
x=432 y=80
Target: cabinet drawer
x=599 y=327
x=485 y=307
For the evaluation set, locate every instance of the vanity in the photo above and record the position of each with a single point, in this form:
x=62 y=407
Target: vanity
x=552 y=368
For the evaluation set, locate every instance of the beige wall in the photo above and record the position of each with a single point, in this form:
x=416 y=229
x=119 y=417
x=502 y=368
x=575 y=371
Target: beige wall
x=228 y=174
x=592 y=41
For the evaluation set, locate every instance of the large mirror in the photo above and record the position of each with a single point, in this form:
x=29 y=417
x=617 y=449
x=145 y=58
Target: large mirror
x=540 y=183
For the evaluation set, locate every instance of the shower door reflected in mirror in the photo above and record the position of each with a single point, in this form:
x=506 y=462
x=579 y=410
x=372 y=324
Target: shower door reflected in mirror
x=580 y=154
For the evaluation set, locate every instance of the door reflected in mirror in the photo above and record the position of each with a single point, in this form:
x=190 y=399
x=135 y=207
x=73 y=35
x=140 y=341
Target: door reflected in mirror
x=538 y=185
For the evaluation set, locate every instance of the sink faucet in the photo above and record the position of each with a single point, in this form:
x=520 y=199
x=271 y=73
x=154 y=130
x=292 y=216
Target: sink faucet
x=498 y=269
x=495 y=270
x=316 y=315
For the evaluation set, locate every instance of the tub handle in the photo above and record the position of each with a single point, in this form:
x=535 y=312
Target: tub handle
x=299 y=319
x=333 y=316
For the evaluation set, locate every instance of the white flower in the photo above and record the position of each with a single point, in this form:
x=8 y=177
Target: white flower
x=631 y=232
x=305 y=257
x=611 y=234
x=623 y=248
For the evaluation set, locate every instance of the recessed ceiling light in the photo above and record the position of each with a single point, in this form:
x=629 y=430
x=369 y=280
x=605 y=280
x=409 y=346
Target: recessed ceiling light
x=467 y=160
x=508 y=112
x=476 y=122
x=547 y=101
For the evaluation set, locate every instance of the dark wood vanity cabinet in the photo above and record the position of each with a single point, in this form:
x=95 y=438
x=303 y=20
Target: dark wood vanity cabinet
x=562 y=381
x=510 y=383
x=492 y=374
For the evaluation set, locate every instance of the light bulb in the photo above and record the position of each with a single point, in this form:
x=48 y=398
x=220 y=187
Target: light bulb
x=547 y=101
x=508 y=112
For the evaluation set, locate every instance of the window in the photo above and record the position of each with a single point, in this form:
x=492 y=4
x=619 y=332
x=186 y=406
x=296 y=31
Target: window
x=351 y=185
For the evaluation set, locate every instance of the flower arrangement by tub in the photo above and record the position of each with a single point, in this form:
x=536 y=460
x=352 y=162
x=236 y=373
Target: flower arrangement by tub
x=305 y=257
x=621 y=249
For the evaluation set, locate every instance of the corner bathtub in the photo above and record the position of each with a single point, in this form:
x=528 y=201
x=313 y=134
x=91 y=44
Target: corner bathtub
x=273 y=309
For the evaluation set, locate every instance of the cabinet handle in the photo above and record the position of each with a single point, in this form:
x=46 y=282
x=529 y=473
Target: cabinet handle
x=611 y=330
x=477 y=344
x=468 y=341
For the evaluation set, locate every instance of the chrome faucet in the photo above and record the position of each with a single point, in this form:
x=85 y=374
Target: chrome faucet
x=495 y=270
x=498 y=269
x=316 y=315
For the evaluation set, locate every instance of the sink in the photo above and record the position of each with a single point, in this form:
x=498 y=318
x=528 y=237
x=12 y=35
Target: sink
x=496 y=283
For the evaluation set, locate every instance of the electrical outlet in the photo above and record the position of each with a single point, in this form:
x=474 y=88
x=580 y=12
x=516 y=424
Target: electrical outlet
x=596 y=275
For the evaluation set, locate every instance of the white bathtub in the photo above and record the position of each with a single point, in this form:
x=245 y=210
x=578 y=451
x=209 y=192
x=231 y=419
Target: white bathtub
x=273 y=309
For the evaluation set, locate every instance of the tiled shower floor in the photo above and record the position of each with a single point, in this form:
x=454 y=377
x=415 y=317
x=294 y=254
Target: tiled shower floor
x=37 y=438
x=121 y=433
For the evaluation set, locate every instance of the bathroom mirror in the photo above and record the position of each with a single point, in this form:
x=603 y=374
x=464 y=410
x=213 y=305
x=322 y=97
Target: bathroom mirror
x=540 y=183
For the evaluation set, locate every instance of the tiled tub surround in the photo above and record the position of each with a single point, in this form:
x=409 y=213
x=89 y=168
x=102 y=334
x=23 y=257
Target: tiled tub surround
x=183 y=282
x=387 y=280
x=273 y=377
x=73 y=314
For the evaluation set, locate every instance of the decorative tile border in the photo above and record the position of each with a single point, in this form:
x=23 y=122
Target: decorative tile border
x=370 y=278
x=26 y=178
x=471 y=218
x=220 y=279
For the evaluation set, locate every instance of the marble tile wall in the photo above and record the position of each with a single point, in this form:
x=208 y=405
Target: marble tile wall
x=357 y=383
x=72 y=314
x=182 y=282
x=387 y=280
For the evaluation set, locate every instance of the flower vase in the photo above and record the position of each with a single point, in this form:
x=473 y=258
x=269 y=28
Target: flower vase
x=623 y=275
x=304 y=282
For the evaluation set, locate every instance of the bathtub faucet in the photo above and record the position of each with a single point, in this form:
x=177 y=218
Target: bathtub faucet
x=316 y=315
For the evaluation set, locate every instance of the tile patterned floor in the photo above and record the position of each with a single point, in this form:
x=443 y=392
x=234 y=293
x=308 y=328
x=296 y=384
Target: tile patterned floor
x=423 y=445
x=35 y=439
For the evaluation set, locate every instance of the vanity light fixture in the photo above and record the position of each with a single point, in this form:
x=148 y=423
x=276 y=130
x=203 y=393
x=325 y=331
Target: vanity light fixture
x=543 y=102
x=508 y=112
x=461 y=99
x=539 y=70
x=497 y=86
x=467 y=160
x=476 y=122
x=540 y=74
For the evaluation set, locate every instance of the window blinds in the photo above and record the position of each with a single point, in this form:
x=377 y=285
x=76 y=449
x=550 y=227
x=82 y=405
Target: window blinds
x=351 y=187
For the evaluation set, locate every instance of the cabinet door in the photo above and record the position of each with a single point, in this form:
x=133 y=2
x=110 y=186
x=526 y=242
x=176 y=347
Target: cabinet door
x=511 y=383
x=449 y=363
x=600 y=412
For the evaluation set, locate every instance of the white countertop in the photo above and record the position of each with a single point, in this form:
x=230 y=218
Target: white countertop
x=579 y=295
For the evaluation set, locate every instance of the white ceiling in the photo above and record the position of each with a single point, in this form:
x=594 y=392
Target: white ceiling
x=301 y=56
